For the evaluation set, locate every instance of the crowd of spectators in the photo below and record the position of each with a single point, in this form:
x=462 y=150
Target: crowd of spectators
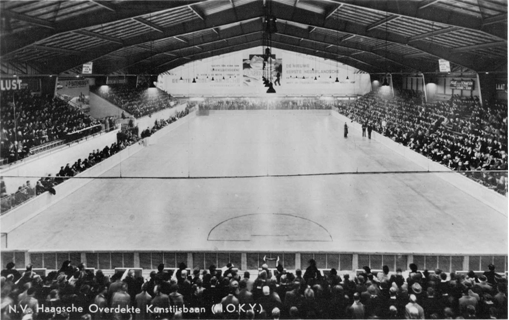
x=124 y=139
x=259 y=104
x=137 y=101
x=459 y=133
x=28 y=121
x=75 y=292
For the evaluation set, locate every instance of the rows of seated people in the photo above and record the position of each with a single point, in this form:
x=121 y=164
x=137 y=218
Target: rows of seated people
x=460 y=133
x=44 y=184
x=257 y=104
x=28 y=121
x=275 y=293
x=138 y=101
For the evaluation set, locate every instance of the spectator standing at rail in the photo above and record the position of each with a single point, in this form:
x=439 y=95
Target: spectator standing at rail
x=370 y=128
x=491 y=275
x=278 y=77
x=364 y=129
x=346 y=130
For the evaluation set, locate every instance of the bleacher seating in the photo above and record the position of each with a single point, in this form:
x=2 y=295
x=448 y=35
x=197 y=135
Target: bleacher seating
x=29 y=121
x=459 y=133
x=10 y=199
x=137 y=101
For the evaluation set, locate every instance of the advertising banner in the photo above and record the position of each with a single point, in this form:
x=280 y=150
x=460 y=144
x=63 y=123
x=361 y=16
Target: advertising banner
x=8 y=84
x=501 y=87
x=75 y=92
x=87 y=68
x=462 y=84
x=444 y=65
x=255 y=67
x=241 y=74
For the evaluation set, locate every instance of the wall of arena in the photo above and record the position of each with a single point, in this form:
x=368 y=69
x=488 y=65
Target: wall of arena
x=33 y=207
x=50 y=163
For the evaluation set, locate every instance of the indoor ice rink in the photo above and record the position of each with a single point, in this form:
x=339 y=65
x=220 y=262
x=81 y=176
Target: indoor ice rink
x=253 y=159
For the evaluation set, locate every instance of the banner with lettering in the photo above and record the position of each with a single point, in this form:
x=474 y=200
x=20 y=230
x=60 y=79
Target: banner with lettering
x=75 y=92
x=240 y=74
x=257 y=66
x=462 y=84
x=87 y=68
x=501 y=87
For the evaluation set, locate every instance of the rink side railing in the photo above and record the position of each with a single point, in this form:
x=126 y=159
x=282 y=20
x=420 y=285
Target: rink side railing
x=344 y=262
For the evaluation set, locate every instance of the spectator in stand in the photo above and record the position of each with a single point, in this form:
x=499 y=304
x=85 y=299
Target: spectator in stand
x=74 y=285
x=138 y=101
x=460 y=133
x=29 y=120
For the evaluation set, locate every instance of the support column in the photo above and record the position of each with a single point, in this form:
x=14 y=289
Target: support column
x=409 y=260
x=355 y=261
x=392 y=87
x=243 y=261
x=480 y=94
x=297 y=261
x=466 y=263
x=27 y=258
x=190 y=260
x=83 y=258
x=136 y=260
x=424 y=88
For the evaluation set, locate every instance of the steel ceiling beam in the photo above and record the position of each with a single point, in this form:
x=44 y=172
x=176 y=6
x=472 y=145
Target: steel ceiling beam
x=381 y=22
x=397 y=61
x=426 y=3
x=149 y=24
x=425 y=12
x=433 y=33
x=250 y=12
x=13 y=42
x=311 y=19
x=106 y=5
x=501 y=18
x=333 y=11
x=195 y=11
x=99 y=36
x=56 y=50
x=28 y=19
x=479 y=46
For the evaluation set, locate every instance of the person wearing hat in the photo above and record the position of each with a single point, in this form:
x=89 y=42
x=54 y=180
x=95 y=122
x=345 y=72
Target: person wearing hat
x=500 y=300
x=10 y=269
x=411 y=306
x=491 y=276
x=120 y=299
x=230 y=302
x=249 y=282
x=293 y=298
x=312 y=272
x=228 y=270
x=141 y=301
x=276 y=313
x=267 y=301
x=176 y=299
x=431 y=304
x=245 y=296
x=483 y=285
x=161 y=300
x=467 y=300
x=356 y=309
x=416 y=289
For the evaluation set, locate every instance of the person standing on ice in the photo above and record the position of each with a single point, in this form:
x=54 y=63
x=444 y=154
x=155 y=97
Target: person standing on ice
x=346 y=130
